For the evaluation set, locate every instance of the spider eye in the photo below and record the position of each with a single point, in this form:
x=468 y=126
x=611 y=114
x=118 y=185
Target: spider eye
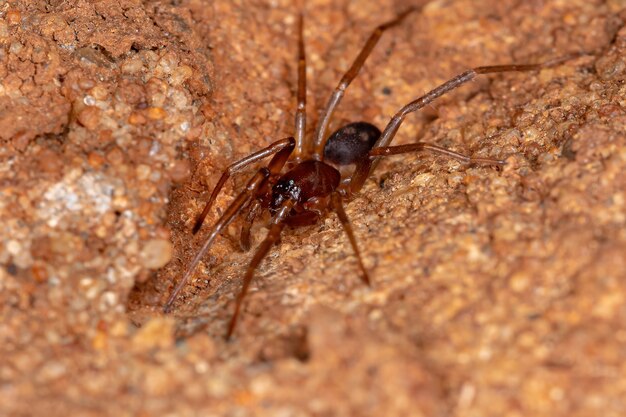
x=283 y=190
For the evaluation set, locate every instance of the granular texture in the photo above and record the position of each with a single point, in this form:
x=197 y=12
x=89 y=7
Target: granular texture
x=495 y=292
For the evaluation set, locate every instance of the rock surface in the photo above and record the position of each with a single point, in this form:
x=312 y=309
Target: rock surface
x=495 y=292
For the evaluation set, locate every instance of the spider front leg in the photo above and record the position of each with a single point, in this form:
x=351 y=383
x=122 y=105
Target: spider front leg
x=281 y=148
x=231 y=212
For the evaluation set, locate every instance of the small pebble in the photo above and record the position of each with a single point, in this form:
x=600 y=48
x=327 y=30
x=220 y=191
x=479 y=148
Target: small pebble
x=132 y=65
x=13 y=17
x=519 y=282
x=89 y=117
x=86 y=84
x=136 y=118
x=169 y=62
x=180 y=170
x=115 y=156
x=100 y=92
x=95 y=159
x=50 y=161
x=158 y=332
x=156 y=253
x=89 y=100
x=156 y=113
x=20 y=141
x=180 y=75
x=142 y=171
x=14 y=247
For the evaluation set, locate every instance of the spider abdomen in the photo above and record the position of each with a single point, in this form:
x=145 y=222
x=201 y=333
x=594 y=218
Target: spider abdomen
x=351 y=143
x=306 y=180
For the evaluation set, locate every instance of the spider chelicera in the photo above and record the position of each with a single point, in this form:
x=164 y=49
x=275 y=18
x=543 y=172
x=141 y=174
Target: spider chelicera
x=313 y=185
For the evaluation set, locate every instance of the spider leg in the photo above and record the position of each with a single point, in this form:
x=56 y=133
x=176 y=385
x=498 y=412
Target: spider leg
x=281 y=148
x=233 y=210
x=276 y=226
x=255 y=184
x=345 y=222
x=366 y=166
x=350 y=75
x=421 y=146
x=301 y=108
x=253 y=211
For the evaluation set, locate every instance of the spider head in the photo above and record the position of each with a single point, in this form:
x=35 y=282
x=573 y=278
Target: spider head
x=285 y=189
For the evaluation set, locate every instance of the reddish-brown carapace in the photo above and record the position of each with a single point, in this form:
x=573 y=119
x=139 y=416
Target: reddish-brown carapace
x=312 y=185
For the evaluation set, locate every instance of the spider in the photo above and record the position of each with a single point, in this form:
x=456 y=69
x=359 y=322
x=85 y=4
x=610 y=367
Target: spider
x=312 y=186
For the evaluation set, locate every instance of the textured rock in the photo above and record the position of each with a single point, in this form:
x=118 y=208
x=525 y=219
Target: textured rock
x=494 y=292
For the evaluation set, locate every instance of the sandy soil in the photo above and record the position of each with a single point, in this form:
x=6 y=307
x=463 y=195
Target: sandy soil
x=495 y=292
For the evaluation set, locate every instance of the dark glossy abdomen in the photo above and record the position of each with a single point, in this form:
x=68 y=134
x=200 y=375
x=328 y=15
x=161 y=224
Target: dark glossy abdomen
x=306 y=180
x=351 y=143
